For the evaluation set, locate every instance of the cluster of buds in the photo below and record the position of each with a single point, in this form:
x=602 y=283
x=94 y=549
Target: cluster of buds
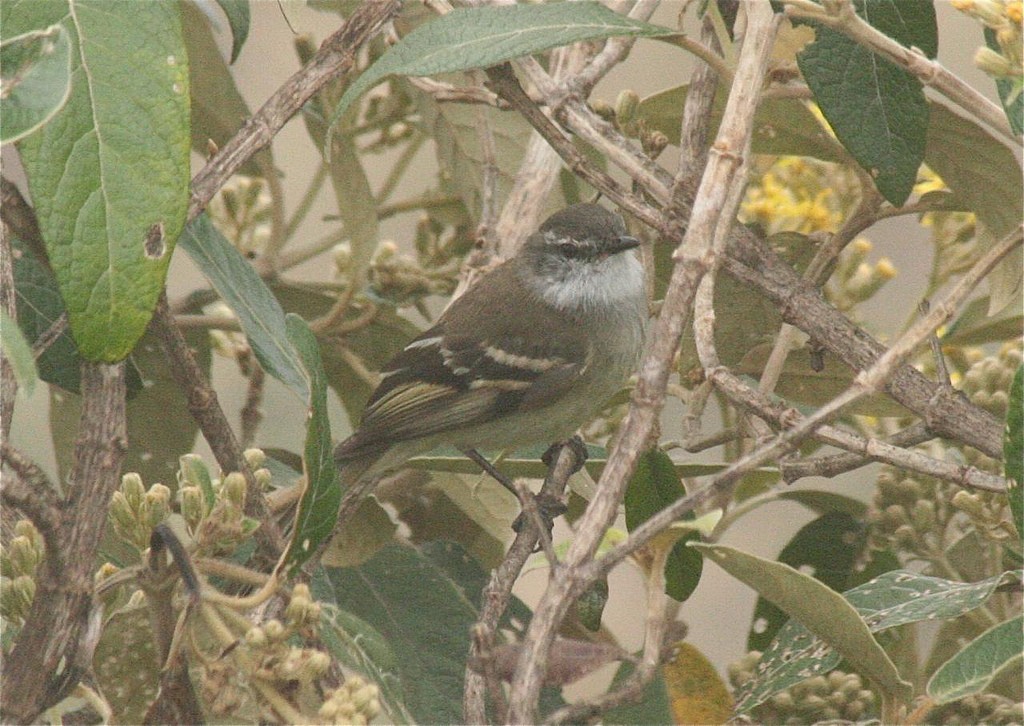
x=987 y=384
x=18 y=563
x=242 y=212
x=625 y=116
x=135 y=510
x=839 y=696
x=400 y=279
x=214 y=509
x=987 y=708
x=1003 y=18
x=855 y=279
x=355 y=702
x=910 y=513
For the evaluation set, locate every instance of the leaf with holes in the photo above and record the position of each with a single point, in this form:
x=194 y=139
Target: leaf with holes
x=894 y=598
x=829 y=546
x=821 y=611
x=109 y=173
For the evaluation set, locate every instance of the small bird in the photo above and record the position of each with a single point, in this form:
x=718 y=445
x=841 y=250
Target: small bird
x=525 y=356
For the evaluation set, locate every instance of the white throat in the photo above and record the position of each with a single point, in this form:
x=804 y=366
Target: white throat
x=594 y=287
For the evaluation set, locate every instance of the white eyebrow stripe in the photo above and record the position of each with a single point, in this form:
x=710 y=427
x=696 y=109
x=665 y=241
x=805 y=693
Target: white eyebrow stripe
x=425 y=343
x=503 y=357
x=385 y=374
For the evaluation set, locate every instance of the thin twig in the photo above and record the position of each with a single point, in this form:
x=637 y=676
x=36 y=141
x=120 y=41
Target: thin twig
x=206 y=410
x=708 y=212
x=31 y=493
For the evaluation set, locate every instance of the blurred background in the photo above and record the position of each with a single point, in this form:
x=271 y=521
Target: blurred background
x=719 y=612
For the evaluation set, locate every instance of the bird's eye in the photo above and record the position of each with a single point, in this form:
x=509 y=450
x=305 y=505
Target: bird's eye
x=568 y=249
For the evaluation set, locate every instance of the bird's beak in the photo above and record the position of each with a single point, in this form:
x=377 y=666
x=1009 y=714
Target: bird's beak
x=623 y=243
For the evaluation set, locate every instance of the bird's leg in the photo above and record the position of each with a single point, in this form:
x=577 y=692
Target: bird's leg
x=579 y=452
x=549 y=509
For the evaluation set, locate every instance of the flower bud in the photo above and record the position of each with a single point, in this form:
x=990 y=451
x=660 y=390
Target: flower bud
x=157 y=505
x=23 y=556
x=256 y=637
x=625 y=106
x=254 y=457
x=133 y=490
x=193 y=508
x=274 y=629
x=233 y=489
x=993 y=63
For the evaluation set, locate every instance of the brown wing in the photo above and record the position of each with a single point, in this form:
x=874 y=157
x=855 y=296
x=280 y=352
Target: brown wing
x=443 y=381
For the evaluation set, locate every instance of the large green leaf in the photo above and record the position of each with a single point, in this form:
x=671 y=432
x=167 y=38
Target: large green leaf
x=654 y=486
x=109 y=173
x=424 y=603
x=35 y=70
x=975 y=326
x=828 y=547
x=318 y=508
x=985 y=176
x=973 y=668
x=258 y=311
x=358 y=646
x=782 y=126
x=485 y=36
x=891 y=599
x=820 y=610
x=876 y=108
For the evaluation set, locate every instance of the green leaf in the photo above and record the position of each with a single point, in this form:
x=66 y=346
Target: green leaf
x=18 y=353
x=218 y=109
x=194 y=472
x=782 y=126
x=652 y=707
x=39 y=307
x=109 y=173
x=889 y=600
x=821 y=610
x=425 y=613
x=454 y=129
x=975 y=326
x=359 y=646
x=973 y=668
x=824 y=502
x=237 y=13
x=258 y=311
x=1013 y=448
x=1009 y=89
x=654 y=486
x=804 y=383
x=35 y=71
x=828 y=547
x=318 y=508
x=877 y=109
x=481 y=37
x=980 y=170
